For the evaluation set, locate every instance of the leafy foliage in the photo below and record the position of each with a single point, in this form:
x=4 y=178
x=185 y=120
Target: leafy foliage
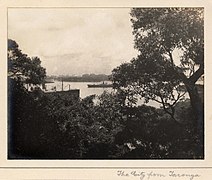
x=154 y=75
x=162 y=30
x=160 y=34
x=150 y=80
x=87 y=129
x=52 y=126
x=23 y=68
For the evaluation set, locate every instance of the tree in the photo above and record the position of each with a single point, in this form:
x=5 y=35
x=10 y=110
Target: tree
x=160 y=34
x=151 y=81
x=86 y=130
x=23 y=68
x=25 y=109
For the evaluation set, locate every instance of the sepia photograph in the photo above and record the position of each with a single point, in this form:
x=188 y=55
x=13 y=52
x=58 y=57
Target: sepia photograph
x=105 y=83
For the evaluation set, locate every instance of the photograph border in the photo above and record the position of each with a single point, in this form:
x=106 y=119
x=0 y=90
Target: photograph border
x=198 y=165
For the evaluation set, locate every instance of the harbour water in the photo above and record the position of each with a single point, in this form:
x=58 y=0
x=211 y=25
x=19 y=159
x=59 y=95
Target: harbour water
x=82 y=86
x=85 y=91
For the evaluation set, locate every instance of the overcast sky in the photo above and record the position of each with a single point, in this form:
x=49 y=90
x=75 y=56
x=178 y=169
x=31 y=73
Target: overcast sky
x=74 y=40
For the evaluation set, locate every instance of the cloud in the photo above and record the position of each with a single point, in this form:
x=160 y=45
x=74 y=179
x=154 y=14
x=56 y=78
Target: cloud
x=75 y=40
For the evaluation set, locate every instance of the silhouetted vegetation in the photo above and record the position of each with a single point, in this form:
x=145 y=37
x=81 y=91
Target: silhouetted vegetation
x=44 y=126
x=154 y=74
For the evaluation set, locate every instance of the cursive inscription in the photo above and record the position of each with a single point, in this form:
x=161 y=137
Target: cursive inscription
x=122 y=173
x=151 y=175
x=182 y=175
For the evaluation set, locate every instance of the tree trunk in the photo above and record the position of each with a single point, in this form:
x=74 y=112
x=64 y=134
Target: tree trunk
x=198 y=111
x=197 y=105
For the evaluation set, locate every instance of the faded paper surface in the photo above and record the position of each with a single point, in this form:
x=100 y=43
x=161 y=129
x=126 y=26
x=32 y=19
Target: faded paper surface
x=103 y=169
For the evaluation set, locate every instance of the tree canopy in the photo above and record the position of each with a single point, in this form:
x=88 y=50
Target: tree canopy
x=23 y=68
x=170 y=42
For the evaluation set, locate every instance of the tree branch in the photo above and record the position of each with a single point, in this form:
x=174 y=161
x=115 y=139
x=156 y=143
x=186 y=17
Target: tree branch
x=171 y=58
x=166 y=109
x=177 y=69
x=197 y=74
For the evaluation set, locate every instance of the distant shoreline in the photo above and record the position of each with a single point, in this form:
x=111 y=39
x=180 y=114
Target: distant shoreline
x=83 y=78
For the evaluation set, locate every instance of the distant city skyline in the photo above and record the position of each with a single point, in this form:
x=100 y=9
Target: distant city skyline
x=74 y=41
